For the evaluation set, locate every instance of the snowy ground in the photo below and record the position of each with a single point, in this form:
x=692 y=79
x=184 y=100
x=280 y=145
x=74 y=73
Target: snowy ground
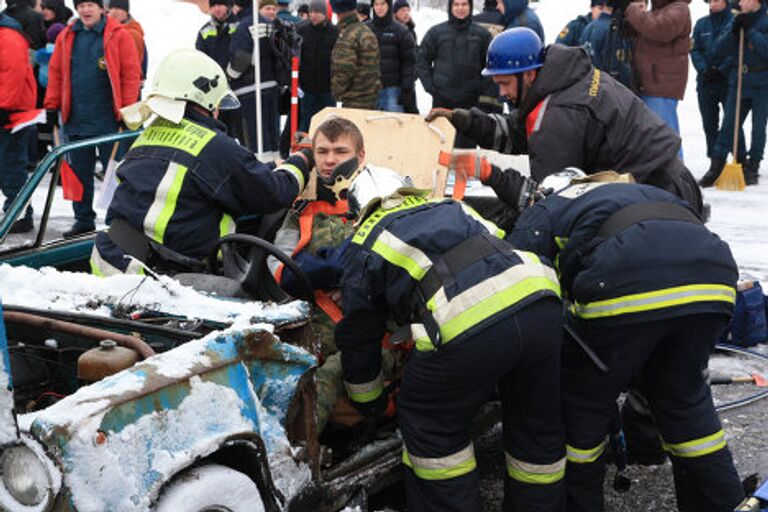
x=740 y=218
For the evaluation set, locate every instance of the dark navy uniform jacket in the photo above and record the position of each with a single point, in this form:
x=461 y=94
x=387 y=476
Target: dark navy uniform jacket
x=182 y=186
x=214 y=38
x=391 y=253
x=653 y=269
x=571 y=33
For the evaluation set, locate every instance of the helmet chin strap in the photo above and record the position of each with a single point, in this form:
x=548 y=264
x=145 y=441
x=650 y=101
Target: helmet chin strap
x=519 y=89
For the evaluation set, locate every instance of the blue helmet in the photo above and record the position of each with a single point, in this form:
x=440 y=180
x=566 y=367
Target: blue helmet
x=514 y=51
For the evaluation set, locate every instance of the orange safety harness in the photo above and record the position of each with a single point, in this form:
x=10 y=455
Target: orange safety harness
x=306 y=220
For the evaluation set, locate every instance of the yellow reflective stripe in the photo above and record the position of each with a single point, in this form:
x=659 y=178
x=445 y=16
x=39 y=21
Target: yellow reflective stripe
x=102 y=268
x=401 y=254
x=657 y=299
x=697 y=447
x=377 y=216
x=488 y=297
x=296 y=173
x=561 y=241
x=487 y=224
x=367 y=391
x=530 y=473
x=95 y=268
x=185 y=136
x=442 y=468
x=166 y=197
x=227 y=225
x=232 y=28
x=208 y=33
x=579 y=456
x=421 y=338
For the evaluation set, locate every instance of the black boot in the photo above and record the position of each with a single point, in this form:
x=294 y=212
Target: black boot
x=751 y=170
x=715 y=168
x=23 y=225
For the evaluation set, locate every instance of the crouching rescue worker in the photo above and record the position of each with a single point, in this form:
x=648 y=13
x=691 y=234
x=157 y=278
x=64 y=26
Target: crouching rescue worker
x=184 y=180
x=652 y=290
x=481 y=314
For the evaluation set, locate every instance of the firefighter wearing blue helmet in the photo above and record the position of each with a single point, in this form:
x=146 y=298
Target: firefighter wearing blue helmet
x=567 y=113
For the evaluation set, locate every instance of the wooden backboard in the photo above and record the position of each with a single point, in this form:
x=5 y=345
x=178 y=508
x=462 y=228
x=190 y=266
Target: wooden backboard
x=404 y=143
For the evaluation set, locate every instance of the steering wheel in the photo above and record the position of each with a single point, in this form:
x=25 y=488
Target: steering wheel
x=251 y=270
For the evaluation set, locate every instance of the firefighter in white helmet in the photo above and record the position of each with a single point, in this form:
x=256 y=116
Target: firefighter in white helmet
x=184 y=182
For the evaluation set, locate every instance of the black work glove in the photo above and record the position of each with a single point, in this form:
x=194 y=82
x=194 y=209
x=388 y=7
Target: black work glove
x=460 y=118
x=742 y=21
x=712 y=74
x=374 y=409
x=4 y=118
x=511 y=187
x=52 y=117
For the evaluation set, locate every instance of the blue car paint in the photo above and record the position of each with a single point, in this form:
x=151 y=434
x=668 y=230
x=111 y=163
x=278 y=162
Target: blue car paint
x=250 y=363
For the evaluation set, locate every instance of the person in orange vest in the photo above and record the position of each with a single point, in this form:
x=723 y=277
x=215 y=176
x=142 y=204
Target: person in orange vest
x=316 y=234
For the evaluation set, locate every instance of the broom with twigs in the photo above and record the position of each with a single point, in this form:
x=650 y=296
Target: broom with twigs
x=732 y=177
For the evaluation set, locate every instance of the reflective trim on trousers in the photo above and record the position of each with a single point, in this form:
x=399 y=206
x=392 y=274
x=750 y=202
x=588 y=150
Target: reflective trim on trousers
x=697 y=447
x=579 y=456
x=442 y=468
x=530 y=473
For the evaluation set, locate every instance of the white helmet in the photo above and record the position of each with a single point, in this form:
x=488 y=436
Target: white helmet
x=183 y=75
x=371 y=185
x=558 y=181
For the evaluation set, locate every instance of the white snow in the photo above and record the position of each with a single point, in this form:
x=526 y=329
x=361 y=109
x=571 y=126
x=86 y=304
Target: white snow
x=8 y=432
x=48 y=288
x=740 y=218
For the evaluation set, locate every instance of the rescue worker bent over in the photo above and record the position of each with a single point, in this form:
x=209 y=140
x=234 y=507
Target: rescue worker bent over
x=652 y=291
x=481 y=314
x=567 y=113
x=184 y=181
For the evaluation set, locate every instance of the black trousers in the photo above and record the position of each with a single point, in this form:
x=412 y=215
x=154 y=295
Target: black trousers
x=669 y=356
x=442 y=391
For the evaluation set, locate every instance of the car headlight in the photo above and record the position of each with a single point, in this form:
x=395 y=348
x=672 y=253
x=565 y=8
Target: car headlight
x=24 y=476
x=28 y=480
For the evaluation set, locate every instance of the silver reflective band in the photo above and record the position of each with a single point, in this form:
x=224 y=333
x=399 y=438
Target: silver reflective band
x=580 y=456
x=538 y=469
x=449 y=462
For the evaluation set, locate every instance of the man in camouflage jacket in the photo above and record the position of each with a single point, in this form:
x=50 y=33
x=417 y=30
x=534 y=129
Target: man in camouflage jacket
x=355 y=73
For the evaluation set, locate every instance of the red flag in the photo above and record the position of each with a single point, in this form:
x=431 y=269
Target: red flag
x=70 y=183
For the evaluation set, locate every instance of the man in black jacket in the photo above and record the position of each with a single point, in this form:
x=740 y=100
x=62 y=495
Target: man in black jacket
x=571 y=114
x=398 y=57
x=318 y=35
x=450 y=59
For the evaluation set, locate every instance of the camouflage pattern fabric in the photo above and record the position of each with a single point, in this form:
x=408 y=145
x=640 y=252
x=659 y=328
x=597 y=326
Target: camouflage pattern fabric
x=330 y=383
x=355 y=72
